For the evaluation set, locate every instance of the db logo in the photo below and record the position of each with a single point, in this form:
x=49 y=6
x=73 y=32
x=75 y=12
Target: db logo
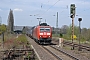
x=44 y=33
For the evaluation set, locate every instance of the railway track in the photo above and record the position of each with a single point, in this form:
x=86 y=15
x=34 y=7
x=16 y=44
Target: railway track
x=18 y=54
x=77 y=45
x=57 y=57
x=74 y=44
x=60 y=55
x=44 y=54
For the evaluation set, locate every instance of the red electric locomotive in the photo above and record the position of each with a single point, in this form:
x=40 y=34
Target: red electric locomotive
x=42 y=33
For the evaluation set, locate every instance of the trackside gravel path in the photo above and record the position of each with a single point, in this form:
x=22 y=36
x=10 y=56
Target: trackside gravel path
x=43 y=54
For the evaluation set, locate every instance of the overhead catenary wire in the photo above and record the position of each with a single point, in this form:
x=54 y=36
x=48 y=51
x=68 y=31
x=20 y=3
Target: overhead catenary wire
x=50 y=7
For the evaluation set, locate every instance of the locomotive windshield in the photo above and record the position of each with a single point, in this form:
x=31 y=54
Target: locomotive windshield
x=44 y=29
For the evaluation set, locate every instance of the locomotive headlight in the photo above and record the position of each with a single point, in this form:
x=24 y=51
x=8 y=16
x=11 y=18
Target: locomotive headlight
x=49 y=36
x=40 y=36
x=41 y=33
x=48 y=33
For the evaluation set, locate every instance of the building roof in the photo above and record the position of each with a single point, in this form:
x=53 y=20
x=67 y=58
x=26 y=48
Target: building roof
x=20 y=27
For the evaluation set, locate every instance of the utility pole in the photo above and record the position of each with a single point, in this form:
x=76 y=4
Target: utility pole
x=57 y=21
x=57 y=24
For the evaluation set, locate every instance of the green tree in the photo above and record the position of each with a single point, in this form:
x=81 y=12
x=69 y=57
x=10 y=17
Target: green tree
x=69 y=32
x=85 y=34
x=2 y=28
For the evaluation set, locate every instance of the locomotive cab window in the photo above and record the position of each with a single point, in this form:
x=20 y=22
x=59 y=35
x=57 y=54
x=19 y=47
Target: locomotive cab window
x=47 y=29
x=41 y=29
x=44 y=29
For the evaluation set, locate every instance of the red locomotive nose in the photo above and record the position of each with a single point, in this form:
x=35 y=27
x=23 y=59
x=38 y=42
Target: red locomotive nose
x=44 y=33
x=44 y=36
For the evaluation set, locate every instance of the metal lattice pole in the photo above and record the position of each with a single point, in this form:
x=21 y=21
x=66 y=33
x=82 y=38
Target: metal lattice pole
x=57 y=24
x=72 y=16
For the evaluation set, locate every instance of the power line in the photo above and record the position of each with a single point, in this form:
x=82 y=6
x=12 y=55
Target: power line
x=50 y=7
x=53 y=5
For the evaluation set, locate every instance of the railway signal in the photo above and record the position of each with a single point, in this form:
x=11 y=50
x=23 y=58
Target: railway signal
x=79 y=19
x=72 y=9
x=72 y=15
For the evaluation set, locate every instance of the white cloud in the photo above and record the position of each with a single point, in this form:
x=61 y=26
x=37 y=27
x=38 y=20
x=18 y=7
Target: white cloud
x=17 y=9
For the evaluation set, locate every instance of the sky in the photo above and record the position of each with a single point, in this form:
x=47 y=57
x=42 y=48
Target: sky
x=26 y=12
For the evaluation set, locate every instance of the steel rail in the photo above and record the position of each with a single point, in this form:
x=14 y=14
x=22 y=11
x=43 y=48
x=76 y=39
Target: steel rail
x=65 y=53
x=53 y=54
x=76 y=45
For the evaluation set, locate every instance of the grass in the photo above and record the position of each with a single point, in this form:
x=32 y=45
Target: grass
x=10 y=40
x=68 y=38
x=55 y=35
x=22 y=38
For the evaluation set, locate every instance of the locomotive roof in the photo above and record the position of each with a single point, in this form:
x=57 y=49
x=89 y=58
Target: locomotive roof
x=43 y=24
